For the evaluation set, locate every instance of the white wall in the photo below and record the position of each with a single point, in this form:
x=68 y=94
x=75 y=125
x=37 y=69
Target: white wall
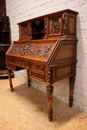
x=21 y=10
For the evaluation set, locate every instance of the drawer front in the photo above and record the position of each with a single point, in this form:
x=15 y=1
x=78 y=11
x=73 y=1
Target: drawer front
x=37 y=67
x=18 y=62
x=21 y=63
x=37 y=76
x=10 y=66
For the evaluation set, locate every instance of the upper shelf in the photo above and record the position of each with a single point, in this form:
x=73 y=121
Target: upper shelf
x=62 y=23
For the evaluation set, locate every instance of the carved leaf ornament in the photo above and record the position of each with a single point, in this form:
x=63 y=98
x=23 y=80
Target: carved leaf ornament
x=31 y=49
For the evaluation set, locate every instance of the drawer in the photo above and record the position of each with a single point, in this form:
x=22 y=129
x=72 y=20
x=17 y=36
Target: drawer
x=38 y=67
x=18 y=62
x=37 y=76
x=21 y=63
x=10 y=66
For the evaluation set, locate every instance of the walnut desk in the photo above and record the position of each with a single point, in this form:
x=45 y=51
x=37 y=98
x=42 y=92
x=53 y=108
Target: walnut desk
x=47 y=49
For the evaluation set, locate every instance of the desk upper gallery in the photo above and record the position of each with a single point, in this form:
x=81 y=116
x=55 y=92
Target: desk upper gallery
x=47 y=49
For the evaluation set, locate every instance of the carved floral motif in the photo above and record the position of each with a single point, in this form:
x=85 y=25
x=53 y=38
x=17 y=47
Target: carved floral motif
x=55 y=25
x=31 y=49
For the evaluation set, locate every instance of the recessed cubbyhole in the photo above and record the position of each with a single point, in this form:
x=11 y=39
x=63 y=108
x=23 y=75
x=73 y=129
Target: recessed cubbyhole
x=37 y=29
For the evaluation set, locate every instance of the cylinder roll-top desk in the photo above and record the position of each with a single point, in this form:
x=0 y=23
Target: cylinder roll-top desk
x=47 y=49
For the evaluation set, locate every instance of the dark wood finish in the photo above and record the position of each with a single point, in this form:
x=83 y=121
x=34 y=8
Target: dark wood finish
x=3 y=49
x=47 y=49
x=4 y=38
x=2 y=7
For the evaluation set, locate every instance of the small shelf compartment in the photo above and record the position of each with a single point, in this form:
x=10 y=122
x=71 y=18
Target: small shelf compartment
x=37 y=28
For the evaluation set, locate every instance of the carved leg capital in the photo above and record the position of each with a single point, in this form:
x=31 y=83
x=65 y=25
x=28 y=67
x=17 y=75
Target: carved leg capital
x=71 y=81
x=49 y=96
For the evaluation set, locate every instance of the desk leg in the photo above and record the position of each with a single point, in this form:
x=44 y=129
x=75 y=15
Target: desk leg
x=28 y=78
x=50 y=96
x=10 y=80
x=72 y=81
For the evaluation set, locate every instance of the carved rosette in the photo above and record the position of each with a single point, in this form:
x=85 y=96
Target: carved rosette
x=64 y=23
x=46 y=27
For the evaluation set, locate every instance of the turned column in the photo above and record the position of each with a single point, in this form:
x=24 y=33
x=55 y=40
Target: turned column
x=49 y=96
x=49 y=89
x=10 y=80
x=71 y=81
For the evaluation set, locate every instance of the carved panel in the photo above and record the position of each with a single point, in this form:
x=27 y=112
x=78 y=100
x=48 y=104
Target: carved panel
x=31 y=49
x=60 y=71
x=55 y=25
x=24 y=30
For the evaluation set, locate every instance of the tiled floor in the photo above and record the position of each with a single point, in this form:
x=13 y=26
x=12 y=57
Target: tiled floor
x=26 y=109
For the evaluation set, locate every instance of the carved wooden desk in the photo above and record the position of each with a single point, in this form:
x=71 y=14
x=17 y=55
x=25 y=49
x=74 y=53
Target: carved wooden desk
x=47 y=49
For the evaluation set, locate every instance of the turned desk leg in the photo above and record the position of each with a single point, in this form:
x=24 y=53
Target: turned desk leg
x=50 y=96
x=28 y=78
x=72 y=81
x=10 y=80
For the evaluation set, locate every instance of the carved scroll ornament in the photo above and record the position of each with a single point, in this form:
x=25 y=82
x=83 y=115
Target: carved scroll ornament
x=46 y=27
x=64 y=23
